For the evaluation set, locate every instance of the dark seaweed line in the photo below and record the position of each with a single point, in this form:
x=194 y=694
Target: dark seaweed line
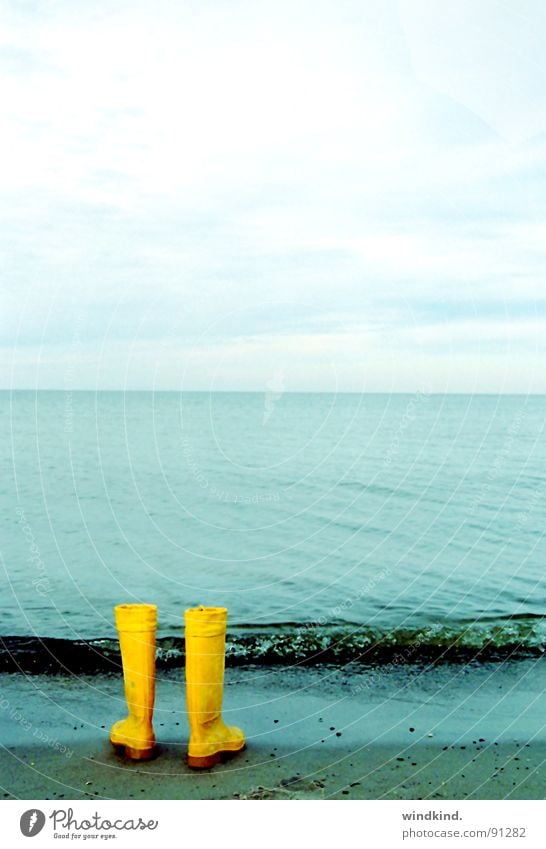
x=33 y=655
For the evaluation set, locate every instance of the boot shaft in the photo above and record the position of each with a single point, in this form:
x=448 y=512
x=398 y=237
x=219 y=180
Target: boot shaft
x=137 y=624
x=205 y=661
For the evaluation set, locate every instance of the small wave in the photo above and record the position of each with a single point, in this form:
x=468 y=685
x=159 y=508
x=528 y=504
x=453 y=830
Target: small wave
x=290 y=644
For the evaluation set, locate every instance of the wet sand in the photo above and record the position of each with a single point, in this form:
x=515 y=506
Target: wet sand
x=455 y=731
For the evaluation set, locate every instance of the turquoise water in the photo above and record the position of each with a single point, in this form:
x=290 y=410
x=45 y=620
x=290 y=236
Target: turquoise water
x=388 y=512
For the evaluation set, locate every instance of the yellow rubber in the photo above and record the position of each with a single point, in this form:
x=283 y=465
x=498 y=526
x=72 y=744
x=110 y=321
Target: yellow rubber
x=210 y=738
x=137 y=625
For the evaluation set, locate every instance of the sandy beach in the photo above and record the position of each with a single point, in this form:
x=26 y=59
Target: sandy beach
x=453 y=731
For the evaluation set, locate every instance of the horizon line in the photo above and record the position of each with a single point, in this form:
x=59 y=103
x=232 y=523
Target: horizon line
x=491 y=393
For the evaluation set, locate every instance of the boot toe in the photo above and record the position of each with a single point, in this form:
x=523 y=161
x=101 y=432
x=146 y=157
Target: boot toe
x=126 y=733
x=116 y=733
x=236 y=739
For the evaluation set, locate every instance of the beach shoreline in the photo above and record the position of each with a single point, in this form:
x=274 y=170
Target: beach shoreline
x=450 y=731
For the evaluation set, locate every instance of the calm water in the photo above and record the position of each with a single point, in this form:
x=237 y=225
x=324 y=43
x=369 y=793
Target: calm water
x=387 y=511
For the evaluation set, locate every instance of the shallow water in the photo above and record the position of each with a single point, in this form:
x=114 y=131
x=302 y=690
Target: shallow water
x=388 y=512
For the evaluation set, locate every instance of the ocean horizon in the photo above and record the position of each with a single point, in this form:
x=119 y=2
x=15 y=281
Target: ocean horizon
x=358 y=518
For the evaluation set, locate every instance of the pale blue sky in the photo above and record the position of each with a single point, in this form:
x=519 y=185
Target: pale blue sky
x=203 y=195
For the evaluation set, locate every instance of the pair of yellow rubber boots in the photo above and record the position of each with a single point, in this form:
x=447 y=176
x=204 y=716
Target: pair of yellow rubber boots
x=210 y=737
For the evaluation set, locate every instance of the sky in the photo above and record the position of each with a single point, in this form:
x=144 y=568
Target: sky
x=217 y=195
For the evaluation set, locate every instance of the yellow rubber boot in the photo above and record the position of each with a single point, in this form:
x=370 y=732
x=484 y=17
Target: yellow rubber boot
x=137 y=625
x=210 y=737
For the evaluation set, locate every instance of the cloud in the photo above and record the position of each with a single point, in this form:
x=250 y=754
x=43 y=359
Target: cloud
x=201 y=174
x=489 y=56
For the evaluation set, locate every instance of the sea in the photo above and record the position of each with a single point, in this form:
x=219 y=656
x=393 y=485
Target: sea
x=318 y=520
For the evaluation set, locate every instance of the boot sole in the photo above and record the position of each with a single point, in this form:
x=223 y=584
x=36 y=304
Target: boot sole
x=212 y=760
x=135 y=754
